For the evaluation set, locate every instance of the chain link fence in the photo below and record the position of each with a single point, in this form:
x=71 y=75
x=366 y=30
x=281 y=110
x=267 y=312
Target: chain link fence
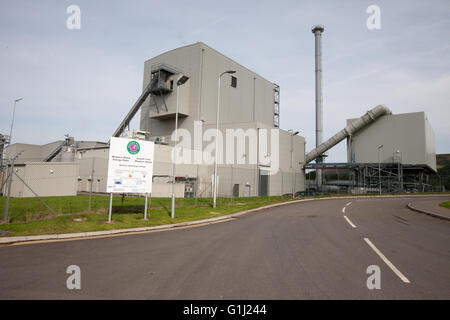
x=39 y=189
x=55 y=187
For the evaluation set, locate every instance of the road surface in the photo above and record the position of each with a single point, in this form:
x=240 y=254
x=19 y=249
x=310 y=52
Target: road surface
x=306 y=250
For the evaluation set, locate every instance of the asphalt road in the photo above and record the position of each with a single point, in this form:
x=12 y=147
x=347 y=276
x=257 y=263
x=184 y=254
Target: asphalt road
x=306 y=250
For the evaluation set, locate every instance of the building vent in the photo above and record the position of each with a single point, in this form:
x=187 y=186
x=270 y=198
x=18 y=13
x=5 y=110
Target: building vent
x=276 y=105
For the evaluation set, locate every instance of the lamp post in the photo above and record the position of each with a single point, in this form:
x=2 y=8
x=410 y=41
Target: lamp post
x=217 y=135
x=292 y=160
x=9 y=143
x=12 y=122
x=379 y=167
x=181 y=80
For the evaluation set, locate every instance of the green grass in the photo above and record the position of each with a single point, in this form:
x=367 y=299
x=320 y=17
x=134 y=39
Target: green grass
x=445 y=204
x=28 y=216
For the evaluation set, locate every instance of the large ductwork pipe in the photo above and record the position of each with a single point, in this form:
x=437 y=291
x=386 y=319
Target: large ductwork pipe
x=352 y=128
x=317 y=30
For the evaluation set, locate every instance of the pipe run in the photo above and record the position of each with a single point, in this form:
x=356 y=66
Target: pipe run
x=370 y=116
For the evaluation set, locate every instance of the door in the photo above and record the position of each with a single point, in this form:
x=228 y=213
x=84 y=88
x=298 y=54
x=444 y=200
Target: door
x=263 y=185
x=236 y=191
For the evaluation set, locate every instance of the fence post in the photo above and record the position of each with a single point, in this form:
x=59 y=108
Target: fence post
x=5 y=218
x=92 y=180
x=231 y=184
x=196 y=187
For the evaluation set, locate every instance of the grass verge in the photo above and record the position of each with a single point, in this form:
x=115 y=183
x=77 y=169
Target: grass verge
x=30 y=217
x=445 y=204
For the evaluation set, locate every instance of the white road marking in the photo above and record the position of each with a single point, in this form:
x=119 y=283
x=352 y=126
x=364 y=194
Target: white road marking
x=343 y=210
x=348 y=204
x=349 y=222
x=390 y=265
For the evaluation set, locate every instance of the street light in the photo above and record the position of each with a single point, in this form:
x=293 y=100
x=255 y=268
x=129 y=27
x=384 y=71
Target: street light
x=1 y=156
x=180 y=81
x=379 y=167
x=12 y=122
x=292 y=159
x=217 y=134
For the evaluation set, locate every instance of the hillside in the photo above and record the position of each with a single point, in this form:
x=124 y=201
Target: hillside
x=442 y=160
x=443 y=166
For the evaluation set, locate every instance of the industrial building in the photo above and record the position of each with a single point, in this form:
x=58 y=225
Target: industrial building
x=248 y=102
x=45 y=179
x=245 y=96
x=407 y=137
x=386 y=152
x=49 y=170
x=396 y=153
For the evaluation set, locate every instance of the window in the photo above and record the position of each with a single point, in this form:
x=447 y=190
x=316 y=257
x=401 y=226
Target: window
x=171 y=84
x=233 y=82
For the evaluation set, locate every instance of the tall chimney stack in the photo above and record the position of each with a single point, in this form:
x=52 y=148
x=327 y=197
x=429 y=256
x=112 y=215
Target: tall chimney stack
x=317 y=30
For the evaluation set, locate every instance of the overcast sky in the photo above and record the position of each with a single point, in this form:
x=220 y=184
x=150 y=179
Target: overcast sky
x=83 y=82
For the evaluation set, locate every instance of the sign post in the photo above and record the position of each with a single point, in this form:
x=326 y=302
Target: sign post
x=110 y=207
x=130 y=168
x=145 y=207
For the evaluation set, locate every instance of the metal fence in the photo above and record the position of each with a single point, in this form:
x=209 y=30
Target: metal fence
x=86 y=175
x=388 y=185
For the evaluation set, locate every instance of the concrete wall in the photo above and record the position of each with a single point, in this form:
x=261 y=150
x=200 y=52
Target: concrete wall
x=410 y=133
x=165 y=189
x=46 y=179
x=88 y=160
